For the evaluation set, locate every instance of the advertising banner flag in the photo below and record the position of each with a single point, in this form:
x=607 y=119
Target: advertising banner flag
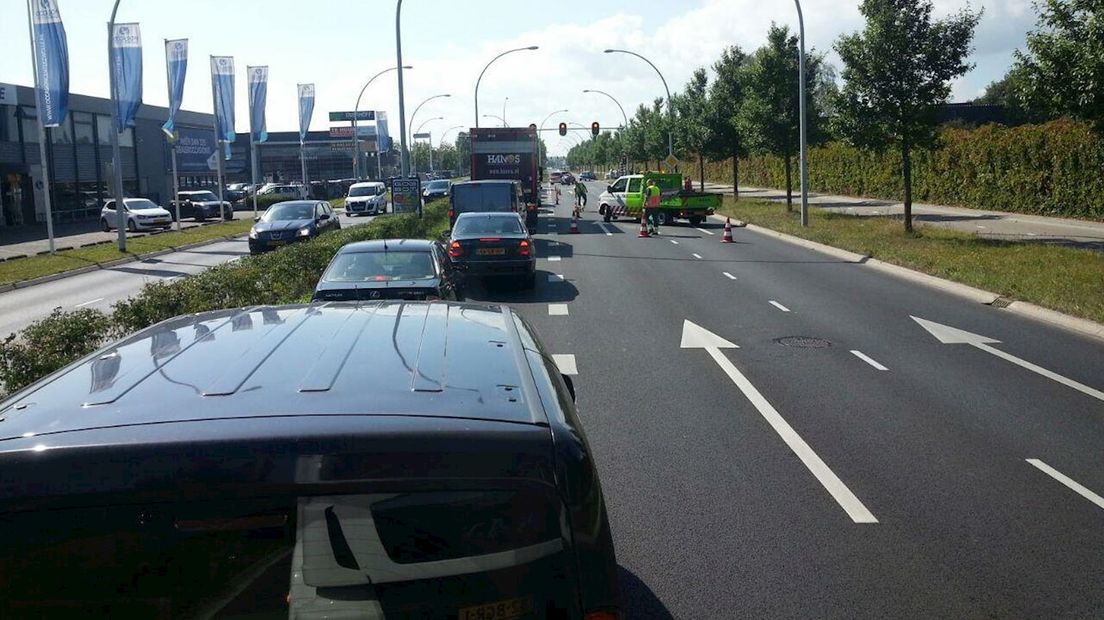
x=126 y=64
x=384 y=139
x=176 y=64
x=222 y=82
x=306 y=109
x=258 y=98
x=51 y=62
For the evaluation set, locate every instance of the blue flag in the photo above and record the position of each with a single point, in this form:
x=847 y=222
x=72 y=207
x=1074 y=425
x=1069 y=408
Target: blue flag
x=51 y=62
x=306 y=109
x=176 y=65
x=222 y=82
x=126 y=61
x=258 y=98
x=383 y=139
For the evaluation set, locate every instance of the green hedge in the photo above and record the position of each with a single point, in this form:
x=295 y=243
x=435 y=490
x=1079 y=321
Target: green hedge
x=285 y=276
x=1054 y=169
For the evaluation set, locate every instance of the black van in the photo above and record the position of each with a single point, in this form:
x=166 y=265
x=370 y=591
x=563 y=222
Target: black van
x=490 y=196
x=328 y=460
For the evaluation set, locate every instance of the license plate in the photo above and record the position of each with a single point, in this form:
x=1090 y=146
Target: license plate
x=502 y=610
x=277 y=242
x=491 y=252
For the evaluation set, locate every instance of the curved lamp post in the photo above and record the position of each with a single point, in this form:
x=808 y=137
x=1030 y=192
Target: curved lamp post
x=496 y=117
x=540 y=160
x=520 y=49
x=415 y=114
x=670 y=103
x=356 y=111
x=611 y=98
x=418 y=131
x=804 y=157
x=445 y=132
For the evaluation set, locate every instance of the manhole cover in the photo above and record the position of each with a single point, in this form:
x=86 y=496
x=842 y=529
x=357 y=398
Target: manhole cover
x=804 y=342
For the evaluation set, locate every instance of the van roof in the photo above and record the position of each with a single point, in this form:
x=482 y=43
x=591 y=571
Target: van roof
x=427 y=360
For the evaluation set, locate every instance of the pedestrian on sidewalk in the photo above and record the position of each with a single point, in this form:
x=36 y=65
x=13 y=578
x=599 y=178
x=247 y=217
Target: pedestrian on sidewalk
x=651 y=206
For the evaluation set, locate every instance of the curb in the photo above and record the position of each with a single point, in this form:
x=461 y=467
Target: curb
x=22 y=284
x=1083 y=327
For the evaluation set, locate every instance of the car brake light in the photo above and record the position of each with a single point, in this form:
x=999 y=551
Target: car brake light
x=602 y=615
x=523 y=248
x=452 y=213
x=489 y=239
x=455 y=251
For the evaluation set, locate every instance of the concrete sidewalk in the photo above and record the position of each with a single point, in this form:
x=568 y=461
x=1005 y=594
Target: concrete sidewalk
x=990 y=224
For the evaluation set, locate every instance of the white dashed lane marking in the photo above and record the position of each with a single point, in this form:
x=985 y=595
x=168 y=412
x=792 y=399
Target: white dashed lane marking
x=605 y=229
x=554 y=259
x=779 y=306
x=729 y=276
x=868 y=360
x=673 y=241
x=557 y=310
x=697 y=256
x=1069 y=482
x=89 y=303
x=566 y=364
x=704 y=231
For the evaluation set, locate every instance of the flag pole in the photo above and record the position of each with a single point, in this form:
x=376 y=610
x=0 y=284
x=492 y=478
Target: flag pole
x=218 y=139
x=42 y=137
x=172 y=145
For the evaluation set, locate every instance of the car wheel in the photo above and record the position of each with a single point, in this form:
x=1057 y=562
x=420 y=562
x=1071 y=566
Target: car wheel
x=132 y=226
x=103 y=224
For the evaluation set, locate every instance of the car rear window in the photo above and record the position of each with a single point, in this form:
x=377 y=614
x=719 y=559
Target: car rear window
x=381 y=267
x=488 y=225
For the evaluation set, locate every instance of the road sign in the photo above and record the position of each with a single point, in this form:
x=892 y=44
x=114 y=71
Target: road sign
x=671 y=162
x=423 y=136
x=363 y=115
x=367 y=131
x=406 y=195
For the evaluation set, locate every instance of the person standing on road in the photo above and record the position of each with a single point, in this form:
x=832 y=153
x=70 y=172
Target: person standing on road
x=651 y=206
x=580 y=195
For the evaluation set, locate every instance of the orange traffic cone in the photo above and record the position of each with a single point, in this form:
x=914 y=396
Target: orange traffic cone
x=727 y=231
x=643 y=229
x=574 y=224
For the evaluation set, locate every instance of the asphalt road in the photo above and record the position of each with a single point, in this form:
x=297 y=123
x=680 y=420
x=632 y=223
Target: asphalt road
x=787 y=481
x=100 y=289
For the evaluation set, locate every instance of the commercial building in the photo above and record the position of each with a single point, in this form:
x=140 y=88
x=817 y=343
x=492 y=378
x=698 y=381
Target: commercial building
x=79 y=158
x=328 y=154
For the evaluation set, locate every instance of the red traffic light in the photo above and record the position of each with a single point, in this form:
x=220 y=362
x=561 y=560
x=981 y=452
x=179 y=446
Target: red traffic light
x=595 y=129
x=563 y=129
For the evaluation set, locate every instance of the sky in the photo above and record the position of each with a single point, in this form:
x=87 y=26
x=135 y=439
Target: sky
x=339 y=44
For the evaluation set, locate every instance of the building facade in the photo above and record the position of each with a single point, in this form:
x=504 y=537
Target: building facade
x=327 y=158
x=79 y=157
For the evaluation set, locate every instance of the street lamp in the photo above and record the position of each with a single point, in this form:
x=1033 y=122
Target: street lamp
x=356 y=111
x=670 y=103
x=540 y=160
x=415 y=114
x=428 y=120
x=504 y=102
x=418 y=131
x=404 y=159
x=520 y=49
x=619 y=106
x=804 y=157
x=496 y=117
x=445 y=132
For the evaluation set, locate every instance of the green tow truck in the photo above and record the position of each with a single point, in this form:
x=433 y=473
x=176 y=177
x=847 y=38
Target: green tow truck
x=625 y=198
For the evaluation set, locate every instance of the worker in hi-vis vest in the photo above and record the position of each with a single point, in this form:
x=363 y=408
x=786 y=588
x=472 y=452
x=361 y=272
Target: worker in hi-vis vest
x=651 y=206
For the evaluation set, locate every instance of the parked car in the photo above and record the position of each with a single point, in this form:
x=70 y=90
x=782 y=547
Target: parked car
x=493 y=245
x=390 y=269
x=141 y=214
x=289 y=222
x=435 y=190
x=366 y=199
x=555 y=176
x=202 y=205
x=587 y=176
x=567 y=179
x=358 y=460
x=284 y=192
x=485 y=196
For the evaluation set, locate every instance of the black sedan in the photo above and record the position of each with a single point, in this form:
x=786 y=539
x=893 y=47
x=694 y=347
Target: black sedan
x=493 y=244
x=288 y=222
x=391 y=269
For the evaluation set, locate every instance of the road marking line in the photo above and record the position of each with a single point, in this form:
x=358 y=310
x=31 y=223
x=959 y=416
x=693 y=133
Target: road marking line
x=554 y=259
x=566 y=364
x=697 y=256
x=557 y=310
x=868 y=360
x=1069 y=482
x=1031 y=235
x=820 y=470
x=779 y=306
x=729 y=276
x=605 y=229
x=673 y=241
x=89 y=303
x=704 y=231
x=555 y=277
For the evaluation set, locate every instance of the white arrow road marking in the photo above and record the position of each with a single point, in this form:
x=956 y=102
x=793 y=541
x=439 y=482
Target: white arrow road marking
x=566 y=364
x=695 y=337
x=952 y=335
x=1069 y=482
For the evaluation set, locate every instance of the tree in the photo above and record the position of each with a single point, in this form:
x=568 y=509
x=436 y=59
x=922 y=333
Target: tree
x=1063 y=66
x=692 y=106
x=1009 y=92
x=726 y=96
x=896 y=72
x=769 y=117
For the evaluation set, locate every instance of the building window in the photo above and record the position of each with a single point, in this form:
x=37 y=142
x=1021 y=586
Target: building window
x=82 y=128
x=63 y=133
x=127 y=138
x=9 y=129
x=103 y=129
x=30 y=124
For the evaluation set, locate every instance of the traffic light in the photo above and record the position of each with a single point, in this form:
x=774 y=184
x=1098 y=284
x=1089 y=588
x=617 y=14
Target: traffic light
x=533 y=126
x=563 y=129
x=595 y=129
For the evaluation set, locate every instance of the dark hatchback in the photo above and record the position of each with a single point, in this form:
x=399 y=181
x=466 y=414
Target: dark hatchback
x=367 y=460
x=493 y=244
x=413 y=269
x=288 y=222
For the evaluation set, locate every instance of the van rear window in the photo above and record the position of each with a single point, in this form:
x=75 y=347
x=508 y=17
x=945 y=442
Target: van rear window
x=483 y=197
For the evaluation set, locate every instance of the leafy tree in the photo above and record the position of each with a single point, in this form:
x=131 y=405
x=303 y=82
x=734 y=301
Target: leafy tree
x=1063 y=66
x=896 y=72
x=769 y=117
x=1009 y=92
x=693 y=129
x=726 y=97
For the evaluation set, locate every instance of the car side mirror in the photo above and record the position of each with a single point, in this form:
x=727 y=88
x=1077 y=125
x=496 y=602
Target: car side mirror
x=257 y=219
x=323 y=217
x=609 y=188
x=570 y=386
